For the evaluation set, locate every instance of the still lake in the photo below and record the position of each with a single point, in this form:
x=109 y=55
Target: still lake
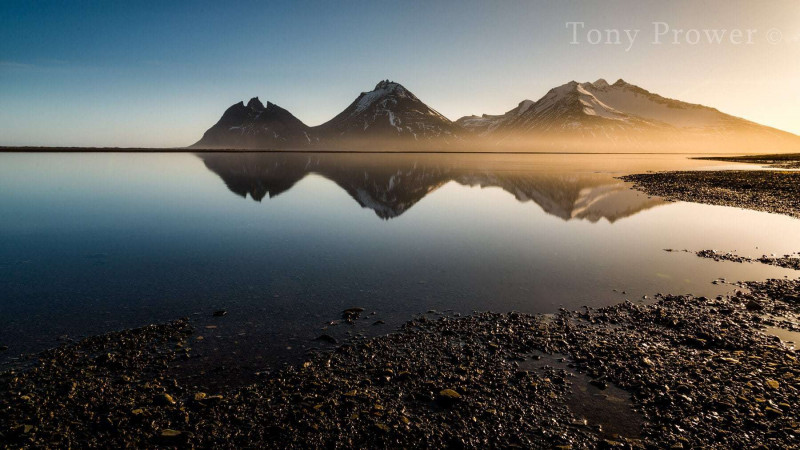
x=91 y=243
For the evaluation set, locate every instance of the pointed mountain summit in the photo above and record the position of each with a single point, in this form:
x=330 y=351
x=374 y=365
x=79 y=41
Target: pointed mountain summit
x=258 y=127
x=255 y=104
x=389 y=111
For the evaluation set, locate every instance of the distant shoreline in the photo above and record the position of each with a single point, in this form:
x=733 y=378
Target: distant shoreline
x=778 y=161
x=190 y=150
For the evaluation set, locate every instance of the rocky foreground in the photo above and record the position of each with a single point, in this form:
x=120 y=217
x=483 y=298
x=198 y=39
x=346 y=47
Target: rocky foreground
x=681 y=372
x=761 y=190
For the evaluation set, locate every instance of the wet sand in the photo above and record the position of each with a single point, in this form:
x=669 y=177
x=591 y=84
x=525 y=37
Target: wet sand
x=682 y=371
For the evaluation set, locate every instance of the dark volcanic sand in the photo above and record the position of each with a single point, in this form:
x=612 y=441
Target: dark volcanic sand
x=695 y=372
x=762 y=190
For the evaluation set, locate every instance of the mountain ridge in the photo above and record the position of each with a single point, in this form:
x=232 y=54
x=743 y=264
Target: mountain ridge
x=576 y=116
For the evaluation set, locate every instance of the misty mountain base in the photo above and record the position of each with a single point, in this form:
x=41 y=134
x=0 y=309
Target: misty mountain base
x=582 y=117
x=698 y=372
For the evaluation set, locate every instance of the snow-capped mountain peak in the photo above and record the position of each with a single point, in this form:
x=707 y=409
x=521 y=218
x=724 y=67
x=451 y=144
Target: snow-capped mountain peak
x=389 y=111
x=382 y=90
x=388 y=85
x=571 y=97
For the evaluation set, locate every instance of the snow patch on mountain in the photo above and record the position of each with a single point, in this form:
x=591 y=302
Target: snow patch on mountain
x=382 y=89
x=638 y=102
x=594 y=107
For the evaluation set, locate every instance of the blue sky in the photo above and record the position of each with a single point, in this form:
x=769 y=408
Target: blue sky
x=153 y=74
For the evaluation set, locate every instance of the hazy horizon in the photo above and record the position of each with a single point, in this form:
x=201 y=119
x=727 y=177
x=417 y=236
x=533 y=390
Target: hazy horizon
x=159 y=75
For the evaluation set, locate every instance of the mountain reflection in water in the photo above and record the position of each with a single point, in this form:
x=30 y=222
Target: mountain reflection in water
x=390 y=184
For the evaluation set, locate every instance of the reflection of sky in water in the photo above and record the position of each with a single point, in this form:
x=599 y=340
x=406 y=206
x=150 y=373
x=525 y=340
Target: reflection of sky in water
x=97 y=242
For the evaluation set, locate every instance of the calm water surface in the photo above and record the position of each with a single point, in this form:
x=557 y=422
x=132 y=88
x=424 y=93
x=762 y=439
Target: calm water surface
x=284 y=242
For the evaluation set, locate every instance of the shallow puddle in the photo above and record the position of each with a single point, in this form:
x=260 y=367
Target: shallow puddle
x=610 y=408
x=790 y=338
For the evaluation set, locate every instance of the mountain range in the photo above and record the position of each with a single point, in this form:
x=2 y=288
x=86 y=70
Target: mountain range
x=592 y=117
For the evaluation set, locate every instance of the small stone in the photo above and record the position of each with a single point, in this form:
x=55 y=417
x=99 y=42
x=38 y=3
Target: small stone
x=449 y=394
x=327 y=338
x=200 y=396
x=169 y=433
x=753 y=305
x=137 y=412
x=772 y=384
x=351 y=314
x=774 y=411
x=167 y=399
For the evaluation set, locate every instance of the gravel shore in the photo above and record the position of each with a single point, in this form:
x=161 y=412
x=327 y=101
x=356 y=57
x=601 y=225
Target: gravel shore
x=791 y=261
x=761 y=190
x=683 y=372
